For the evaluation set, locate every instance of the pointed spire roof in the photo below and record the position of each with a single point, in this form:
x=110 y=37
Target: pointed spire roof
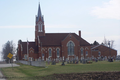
x=39 y=13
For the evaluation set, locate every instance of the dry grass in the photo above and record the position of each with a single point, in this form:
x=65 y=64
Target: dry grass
x=30 y=72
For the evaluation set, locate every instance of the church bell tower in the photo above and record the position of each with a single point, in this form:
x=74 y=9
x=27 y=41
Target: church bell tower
x=39 y=27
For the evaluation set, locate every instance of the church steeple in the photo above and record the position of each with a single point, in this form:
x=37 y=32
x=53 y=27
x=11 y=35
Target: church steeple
x=40 y=27
x=39 y=15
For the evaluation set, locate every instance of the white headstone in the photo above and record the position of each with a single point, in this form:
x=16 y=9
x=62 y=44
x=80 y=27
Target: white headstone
x=63 y=57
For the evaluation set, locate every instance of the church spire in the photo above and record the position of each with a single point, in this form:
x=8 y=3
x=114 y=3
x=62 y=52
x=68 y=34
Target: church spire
x=39 y=27
x=39 y=15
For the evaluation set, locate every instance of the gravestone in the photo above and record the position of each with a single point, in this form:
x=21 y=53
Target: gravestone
x=42 y=56
x=53 y=63
x=80 y=61
x=48 y=62
x=36 y=60
x=86 y=60
x=56 y=60
x=83 y=61
x=29 y=59
x=63 y=63
x=77 y=58
x=76 y=62
x=110 y=59
x=73 y=61
x=68 y=62
x=96 y=60
x=39 y=59
x=60 y=59
x=68 y=57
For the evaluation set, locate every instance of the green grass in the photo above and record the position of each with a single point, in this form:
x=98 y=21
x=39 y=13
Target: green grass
x=27 y=71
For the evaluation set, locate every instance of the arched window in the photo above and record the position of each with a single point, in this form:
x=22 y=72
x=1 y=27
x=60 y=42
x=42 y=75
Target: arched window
x=86 y=48
x=50 y=52
x=70 y=46
x=99 y=53
x=58 y=52
x=38 y=27
x=81 y=51
x=86 y=53
x=41 y=28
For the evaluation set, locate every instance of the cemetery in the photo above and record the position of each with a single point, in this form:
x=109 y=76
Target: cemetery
x=70 y=60
x=64 y=69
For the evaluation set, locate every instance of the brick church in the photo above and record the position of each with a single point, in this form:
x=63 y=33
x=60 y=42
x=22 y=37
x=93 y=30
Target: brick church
x=53 y=45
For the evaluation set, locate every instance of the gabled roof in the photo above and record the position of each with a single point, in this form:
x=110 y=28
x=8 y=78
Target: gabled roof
x=31 y=44
x=83 y=42
x=100 y=45
x=54 y=39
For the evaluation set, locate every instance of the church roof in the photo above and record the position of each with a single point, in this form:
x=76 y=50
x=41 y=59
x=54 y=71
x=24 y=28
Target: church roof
x=39 y=15
x=101 y=47
x=83 y=42
x=54 y=39
x=31 y=44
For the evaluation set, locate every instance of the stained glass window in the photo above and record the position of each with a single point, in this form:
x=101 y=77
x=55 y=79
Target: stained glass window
x=58 y=52
x=50 y=52
x=81 y=51
x=86 y=53
x=70 y=48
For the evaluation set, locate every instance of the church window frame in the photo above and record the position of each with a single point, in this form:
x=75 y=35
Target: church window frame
x=58 y=52
x=70 y=46
x=39 y=28
x=86 y=53
x=82 y=51
x=86 y=48
x=50 y=52
x=99 y=53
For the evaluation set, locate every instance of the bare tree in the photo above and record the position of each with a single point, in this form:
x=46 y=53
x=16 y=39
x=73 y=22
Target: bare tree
x=112 y=43
x=8 y=47
x=105 y=42
x=108 y=42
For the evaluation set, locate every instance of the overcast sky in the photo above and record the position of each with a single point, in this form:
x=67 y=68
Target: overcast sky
x=95 y=18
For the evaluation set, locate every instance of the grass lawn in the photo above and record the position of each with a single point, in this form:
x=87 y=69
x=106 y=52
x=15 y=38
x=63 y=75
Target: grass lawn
x=28 y=72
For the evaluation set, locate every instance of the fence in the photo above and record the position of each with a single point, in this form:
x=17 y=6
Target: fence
x=33 y=63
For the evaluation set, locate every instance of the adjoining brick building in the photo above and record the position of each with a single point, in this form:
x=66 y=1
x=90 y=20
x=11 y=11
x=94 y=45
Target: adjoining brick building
x=53 y=45
x=59 y=45
x=103 y=51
